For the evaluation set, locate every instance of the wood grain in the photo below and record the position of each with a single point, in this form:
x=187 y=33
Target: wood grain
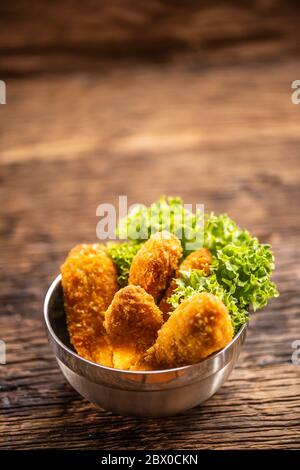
x=226 y=136
x=67 y=35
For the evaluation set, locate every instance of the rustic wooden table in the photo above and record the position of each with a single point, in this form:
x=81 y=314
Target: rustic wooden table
x=225 y=136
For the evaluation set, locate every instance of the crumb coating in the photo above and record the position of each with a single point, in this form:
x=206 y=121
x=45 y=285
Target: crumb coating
x=155 y=263
x=200 y=259
x=89 y=280
x=200 y=326
x=132 y=322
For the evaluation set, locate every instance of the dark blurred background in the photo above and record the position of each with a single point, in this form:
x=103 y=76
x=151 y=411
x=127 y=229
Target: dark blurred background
x=68 y=35
x=144 y=98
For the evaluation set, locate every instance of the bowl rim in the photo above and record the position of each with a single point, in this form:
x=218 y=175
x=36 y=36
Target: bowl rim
x=57 y=280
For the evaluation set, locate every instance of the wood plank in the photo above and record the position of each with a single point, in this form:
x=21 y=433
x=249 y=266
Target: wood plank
x=70 y=142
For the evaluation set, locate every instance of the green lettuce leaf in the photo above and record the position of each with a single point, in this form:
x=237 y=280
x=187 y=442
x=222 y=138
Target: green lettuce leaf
x=168 y=213
x=122 y=255
x=192 y=282
x=241 y=270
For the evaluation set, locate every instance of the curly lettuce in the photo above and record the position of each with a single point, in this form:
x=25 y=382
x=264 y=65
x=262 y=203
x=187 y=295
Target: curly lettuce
x=191 y=282
x=168 y=213
x=220 y=231
x=122 y=255
x=241 y=270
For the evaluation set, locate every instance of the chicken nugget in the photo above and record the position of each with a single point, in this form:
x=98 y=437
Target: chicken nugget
x=155 y=263
x=132 y=321
x=89 y=280
x=200 y=259
x=200 y=326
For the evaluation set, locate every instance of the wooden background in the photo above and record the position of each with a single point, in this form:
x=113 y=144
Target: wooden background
x=144 y=99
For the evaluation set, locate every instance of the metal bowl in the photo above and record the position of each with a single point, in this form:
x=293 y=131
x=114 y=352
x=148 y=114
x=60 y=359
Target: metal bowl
x=154 y=393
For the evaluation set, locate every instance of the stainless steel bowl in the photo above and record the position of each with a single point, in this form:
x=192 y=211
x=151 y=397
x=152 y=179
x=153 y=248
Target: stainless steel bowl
x=154 y=393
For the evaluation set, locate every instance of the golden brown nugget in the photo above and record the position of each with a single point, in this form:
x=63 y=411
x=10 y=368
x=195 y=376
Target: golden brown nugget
x=89 y=280
x=155 y=263
x=200 y=259
x=132 y=321
x=200 y=326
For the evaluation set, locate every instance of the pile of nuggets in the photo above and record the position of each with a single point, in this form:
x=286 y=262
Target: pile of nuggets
x=133 y=328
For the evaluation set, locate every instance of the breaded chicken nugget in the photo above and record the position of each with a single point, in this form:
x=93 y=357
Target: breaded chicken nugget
x=155 y=263
x=200 y=259
x=132 y=321
x=200 y=326
x=89 y=280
